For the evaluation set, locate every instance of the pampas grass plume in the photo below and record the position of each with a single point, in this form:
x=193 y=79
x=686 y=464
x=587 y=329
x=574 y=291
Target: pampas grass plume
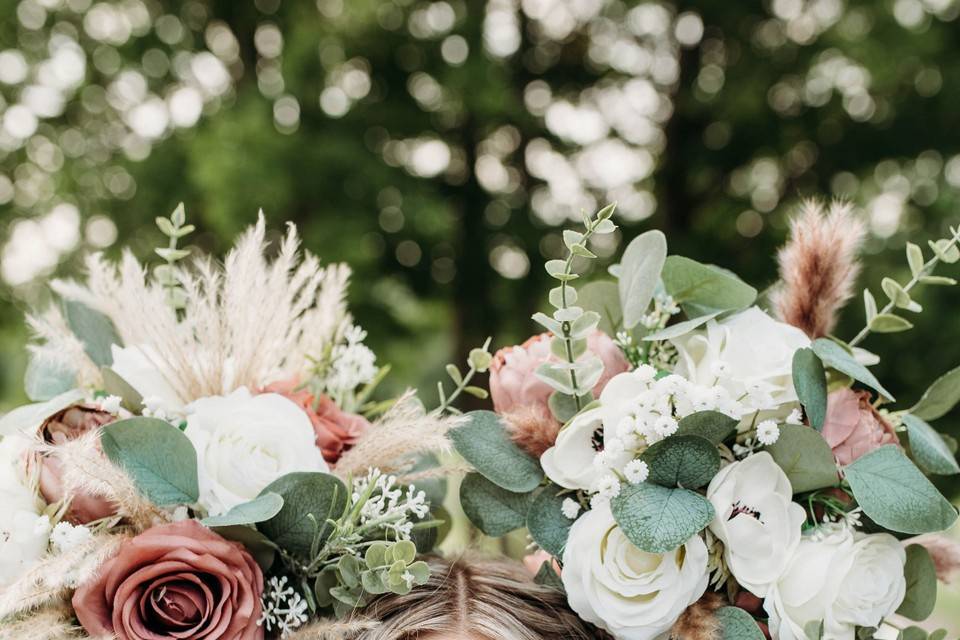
x=532 y=429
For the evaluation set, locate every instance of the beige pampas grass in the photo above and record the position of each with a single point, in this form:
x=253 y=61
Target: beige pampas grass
x=818 y=267
x=395 y=441
x=49 y=623
x=245 y=322
x=332 y=630
x=698 y=622
x=532 y=429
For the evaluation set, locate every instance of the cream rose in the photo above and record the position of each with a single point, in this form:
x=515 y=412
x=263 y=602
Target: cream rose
x=138 y=367
x=756 y=519
x=749 y=354
x=244 y=442
x=24 y=530
x=632 y=594
x=843 y=578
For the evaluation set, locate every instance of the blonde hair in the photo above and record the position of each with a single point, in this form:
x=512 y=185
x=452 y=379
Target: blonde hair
x=475 y=598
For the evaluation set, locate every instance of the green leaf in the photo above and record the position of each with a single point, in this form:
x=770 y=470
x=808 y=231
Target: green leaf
x=895 y=292
x=681 y=328
x=737 y=624
x=889 y=323
x=701 y=289
x=946 y=250
x=912 y=633
x=940 y=397
x=484 y=443
x=682 y=461
x=548 y=526
x=113 y=384
x=493 y=509
x=928 y=448
x=259 y=546
x=921 y=575
x=869 y=305
x=547 y=577
x=557 y=294
x=557 y=376
x=642 y=262
x=564 y=407
x=257 y=510
x=810 y=381
x=836 y=357
x=712 y=425
x=454 y=373
x=805 y=457
x=659 y=519
x=309 y=499
x=915 y=259
x=603 y=298
x=939 y=634
x=46 y=378
x=93 y=329
x=813 y=630
x=571 y=237
x=896 y=495
x=938 y=280
x=158 y=457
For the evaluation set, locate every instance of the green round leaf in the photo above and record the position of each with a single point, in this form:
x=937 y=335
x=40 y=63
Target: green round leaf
x=602 y=297
x=158 y=457
x=682 y=461
x=681 y=328
x=493 y=509
x=701 y=289
x=712 y=425
x=805 y=457
x=94 y=330
x=659 y=519
x=942 y=396
x=737 y=624
x=889 y=323
x=810 y=381
x=262 y=550
x=921 y=578
x=548 y=527
x=641 y=265
x=484 y=443
x=259 y=509
x=896 y=495
x=836 y=357
x=929 y=448
x=113 y=384
x=309 y=499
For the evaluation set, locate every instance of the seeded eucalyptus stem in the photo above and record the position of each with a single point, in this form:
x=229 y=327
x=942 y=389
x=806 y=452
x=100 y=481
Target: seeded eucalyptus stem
x=926 y=270
x=479 y=360
x=565 y=325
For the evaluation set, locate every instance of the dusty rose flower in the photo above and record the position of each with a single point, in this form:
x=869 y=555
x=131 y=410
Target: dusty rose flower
x=853 y=427
x=60 y=428
x=177 y=580
x=336 y=430
x=514 y=385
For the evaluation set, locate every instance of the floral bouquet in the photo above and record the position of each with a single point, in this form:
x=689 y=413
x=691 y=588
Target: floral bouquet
x=697 y=460
x=203 y=459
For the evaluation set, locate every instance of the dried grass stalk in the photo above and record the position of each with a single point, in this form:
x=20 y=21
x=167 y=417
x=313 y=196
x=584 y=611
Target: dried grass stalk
x=49 y=623
x=332 y=630
x=532 y=429
x=698 y=622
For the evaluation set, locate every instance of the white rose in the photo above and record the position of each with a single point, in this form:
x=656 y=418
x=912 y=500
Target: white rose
x=749 y=354
x=569 y=462
x=244 y=442
x=632 y=594
x=24 y=530
x=138 y=367
x=756 y=519
x=843 y=578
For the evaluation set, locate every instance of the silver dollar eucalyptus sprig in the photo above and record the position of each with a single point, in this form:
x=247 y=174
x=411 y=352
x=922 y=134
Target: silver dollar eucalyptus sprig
x=479 y=361
x=578 y=371
x=174 y=228
x=885 y=320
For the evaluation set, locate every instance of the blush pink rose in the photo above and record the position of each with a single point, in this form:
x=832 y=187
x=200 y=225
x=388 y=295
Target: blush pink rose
x=177 y=580
x=336 y=430
x=853 y=427
x=513 y=384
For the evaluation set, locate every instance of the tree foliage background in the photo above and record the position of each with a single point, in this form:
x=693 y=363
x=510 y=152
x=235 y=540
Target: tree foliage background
x=439 y=146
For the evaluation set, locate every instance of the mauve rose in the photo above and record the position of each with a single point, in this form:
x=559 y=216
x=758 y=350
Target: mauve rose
x=853 y=427
x=60 y=428
x=513 y=383
x=336 y=430
x=177 y=580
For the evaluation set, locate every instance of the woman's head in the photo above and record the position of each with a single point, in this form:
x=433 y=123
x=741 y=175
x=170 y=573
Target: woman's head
x=473 y=599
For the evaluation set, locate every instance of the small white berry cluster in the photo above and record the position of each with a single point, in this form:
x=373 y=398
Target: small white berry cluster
x=389 y=504
x=283 y=608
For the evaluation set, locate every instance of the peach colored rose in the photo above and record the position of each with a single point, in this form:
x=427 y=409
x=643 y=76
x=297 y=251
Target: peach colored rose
x=59 y=428
x=514 y=385
x=853 y=427
x=177 y=580
x=336 y=430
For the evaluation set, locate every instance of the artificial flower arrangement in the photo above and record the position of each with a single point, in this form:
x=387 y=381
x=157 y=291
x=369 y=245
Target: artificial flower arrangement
x=203 y=460
x=696 y=460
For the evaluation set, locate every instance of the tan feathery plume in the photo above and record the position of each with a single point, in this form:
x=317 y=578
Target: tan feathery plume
x=818 y=267
x=53 y=622
x=395 y=441
x=332 y=630
x=532 y=429
x=698 y=621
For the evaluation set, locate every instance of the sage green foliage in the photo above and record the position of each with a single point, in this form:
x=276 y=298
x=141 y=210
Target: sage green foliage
x=921 y=575
x=263 y=551
x=603 y=297
x=491 y=508
x=896 y=495
x=113 y=384
x=805 y=457
x=940 y=398
x=484 y=442
x=640 y=268
x=261 y=508
x=810 y=381
x=547 y=577
x=157 y=456
x=837 y=357
x=310 y=501
x=702 y=289
x=682 y=461
x=478 y=361
x=928 y=447
x=46 y=378
x=737 y=624
x=548 y=527
x=93 y=329
x=175 y=229
x=658 y=519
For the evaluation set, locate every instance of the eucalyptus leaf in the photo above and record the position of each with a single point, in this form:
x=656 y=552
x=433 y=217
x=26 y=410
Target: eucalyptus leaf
x=263 y=551
x=259 y=509
x=702 y=289
x=659 y=519
x=93 y=329
x=547 y=577
x=737 y=624
x=895 y=292
x=483 y=442
x=889 y=323
x=548 y=527
x=681 y=328
x=805 y=457
x=309 y=499
x=603 y=297
x=938 y=280
x=912 y=633
x=492 y=509
x=940 y=397
x=642 y=262
x=113 y=384
x=928 y=448
x=896 y=495
x=836 y=357
x=157 y=456
x=682 y=461
x=712 y=425
x=921 y=575
x=810 y=382
x=869 y=305
x=46 y=378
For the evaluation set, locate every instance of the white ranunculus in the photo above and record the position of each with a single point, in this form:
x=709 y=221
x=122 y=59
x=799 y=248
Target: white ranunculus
x=632 y=594
x=569 y=462
x=749 y=354
x=843 y=578
x=756 y=519
x=244 y=442
x=138 y=366
x=24 y=530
